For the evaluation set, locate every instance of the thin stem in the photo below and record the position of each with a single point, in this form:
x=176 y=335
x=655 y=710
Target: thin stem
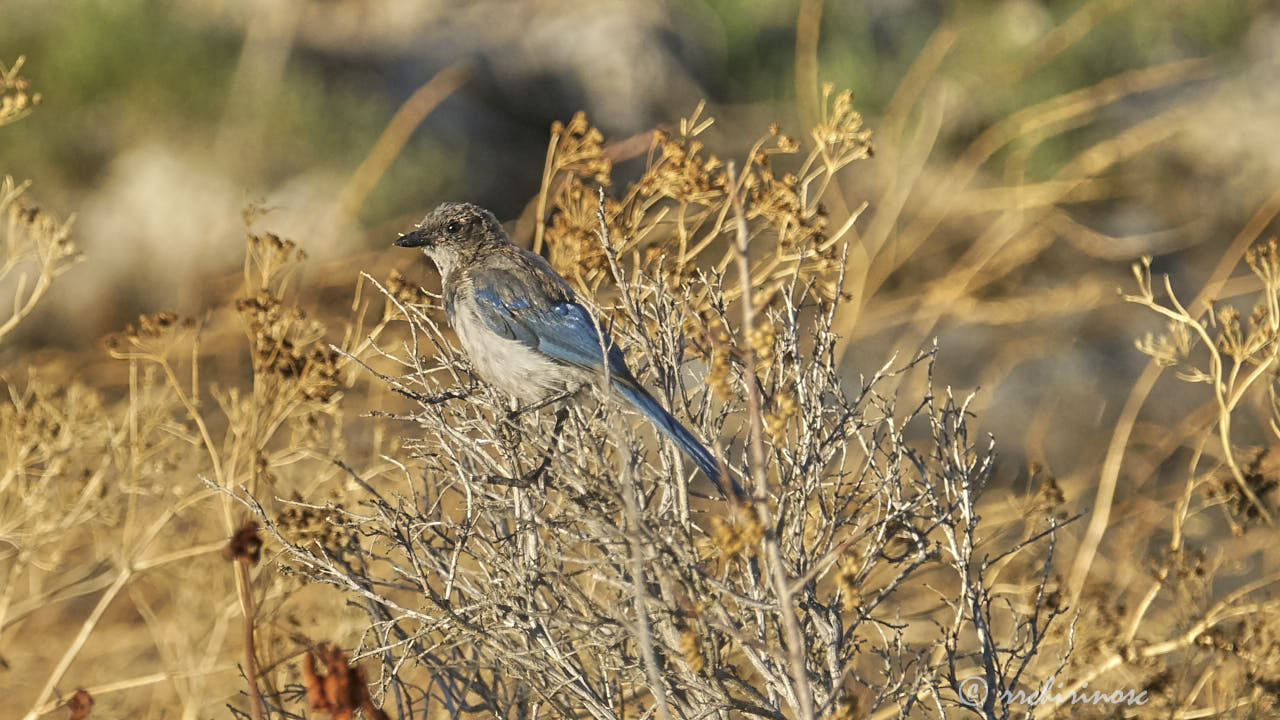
x=245 y=593
x=778 y=574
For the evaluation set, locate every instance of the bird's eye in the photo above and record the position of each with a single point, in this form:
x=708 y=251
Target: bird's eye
x=452 y=227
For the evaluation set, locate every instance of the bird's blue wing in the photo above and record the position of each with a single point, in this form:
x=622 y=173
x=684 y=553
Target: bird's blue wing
x=544 y=317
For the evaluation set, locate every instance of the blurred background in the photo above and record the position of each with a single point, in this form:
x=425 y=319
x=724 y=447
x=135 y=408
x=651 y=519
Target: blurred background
x=1026 y=154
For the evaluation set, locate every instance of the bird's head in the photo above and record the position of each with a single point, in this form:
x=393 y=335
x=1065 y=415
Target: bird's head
x=455 y=228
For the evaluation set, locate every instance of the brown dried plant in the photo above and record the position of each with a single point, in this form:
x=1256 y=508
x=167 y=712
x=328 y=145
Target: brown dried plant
x=1191 y=631
x=102 y=497
x=548 y=564
x=676 y=220
x=1210 y=346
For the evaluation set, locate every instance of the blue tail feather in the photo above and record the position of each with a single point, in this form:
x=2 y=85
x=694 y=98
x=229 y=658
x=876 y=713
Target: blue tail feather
x=671 y=427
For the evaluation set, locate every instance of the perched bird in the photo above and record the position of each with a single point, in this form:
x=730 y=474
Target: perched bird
x=519 y=323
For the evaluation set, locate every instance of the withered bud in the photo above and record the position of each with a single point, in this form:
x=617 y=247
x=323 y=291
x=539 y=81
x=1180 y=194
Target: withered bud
x=80 y=704
x=245 y=545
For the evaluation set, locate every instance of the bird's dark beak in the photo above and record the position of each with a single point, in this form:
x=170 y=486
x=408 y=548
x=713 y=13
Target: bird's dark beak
x=417 y=238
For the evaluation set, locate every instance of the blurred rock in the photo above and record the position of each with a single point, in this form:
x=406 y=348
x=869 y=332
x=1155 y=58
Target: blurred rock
x=164 y=217
x=626 y=62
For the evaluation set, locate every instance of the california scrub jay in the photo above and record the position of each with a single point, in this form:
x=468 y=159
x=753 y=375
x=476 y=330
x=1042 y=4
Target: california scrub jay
x=519 y=322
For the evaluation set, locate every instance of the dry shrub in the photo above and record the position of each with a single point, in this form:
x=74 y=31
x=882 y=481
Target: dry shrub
x=101 y=503
x=551 y=563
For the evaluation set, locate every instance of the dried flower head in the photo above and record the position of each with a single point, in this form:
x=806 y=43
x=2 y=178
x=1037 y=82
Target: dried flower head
x=690 y=646
x=16 y=99
x=245 y=545
x=784 y=409
x=337 y=688
x=323 y=525
x=741 y=534
x=80 y=704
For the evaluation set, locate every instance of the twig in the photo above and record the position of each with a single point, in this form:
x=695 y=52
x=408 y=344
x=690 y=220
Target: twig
x=778 y=574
